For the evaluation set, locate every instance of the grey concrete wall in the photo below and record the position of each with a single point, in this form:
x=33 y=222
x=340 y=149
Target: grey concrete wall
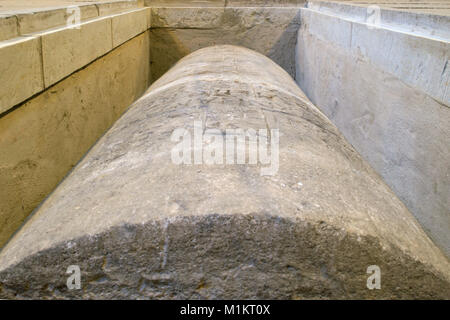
x=387 y=90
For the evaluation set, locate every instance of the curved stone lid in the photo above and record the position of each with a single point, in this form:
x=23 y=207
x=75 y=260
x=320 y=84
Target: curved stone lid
x=139 y=225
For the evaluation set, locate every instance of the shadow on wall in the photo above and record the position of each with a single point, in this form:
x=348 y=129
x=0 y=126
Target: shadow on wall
x=180 y=31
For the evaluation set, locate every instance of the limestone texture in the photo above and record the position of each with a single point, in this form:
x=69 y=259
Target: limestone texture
x=140 y=226
x=66 y=50
x=43 y=139
x=176 y=32
x=19 y=80
x=387 y=91
x=129 y=24
x=8 y=27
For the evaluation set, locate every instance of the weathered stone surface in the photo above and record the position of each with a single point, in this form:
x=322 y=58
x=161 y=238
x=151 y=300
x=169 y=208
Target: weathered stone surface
x=264 y=3
x=223 y=3
x=69 y=49
x=45 y=137
x=23 y=17
x=184 y=3
x=387 y=90
x=34 y=21
x=409 y=21
x=9 y=6
x=35 y=61
x=8 y=27
x=117 y=6
x=140 y=226
x=177 y=32
x=127 y=25
x=20 y=70
x=421 y=7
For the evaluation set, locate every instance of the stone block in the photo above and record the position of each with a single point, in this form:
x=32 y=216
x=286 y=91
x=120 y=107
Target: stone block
x=8 y=27
x=117 y=6
x=35 y=21
x=44 y=138
x=20 y=70
x=66 y=50
x=129 y=24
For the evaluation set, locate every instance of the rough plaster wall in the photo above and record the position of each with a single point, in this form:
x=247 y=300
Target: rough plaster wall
x=403 y=132
x=44 y=138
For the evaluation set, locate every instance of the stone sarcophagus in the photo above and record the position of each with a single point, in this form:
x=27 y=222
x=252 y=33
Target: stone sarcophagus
x=223 y=181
